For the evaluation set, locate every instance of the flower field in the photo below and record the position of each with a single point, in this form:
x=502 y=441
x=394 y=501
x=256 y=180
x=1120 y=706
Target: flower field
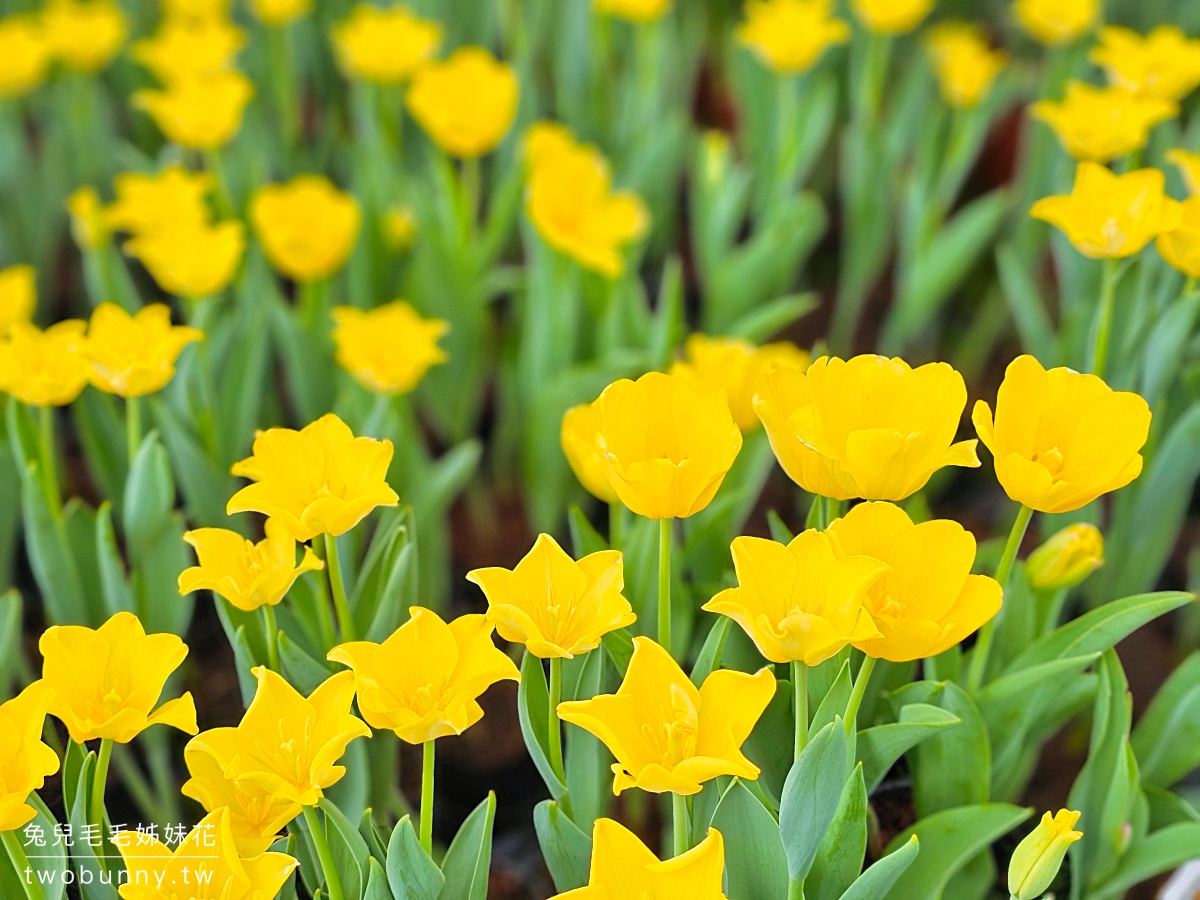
x=599 y=449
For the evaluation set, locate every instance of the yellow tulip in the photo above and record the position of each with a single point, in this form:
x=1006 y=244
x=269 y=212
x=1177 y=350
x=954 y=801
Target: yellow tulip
x=256 y=816
x=546 y=139
x=1180 y=247
x=246 y=574
x=1101 y=124
x=385 y=46
x=189 y=48
x=195 y=10
x=200 y=113
x=790 y=36
x=399 y=227
x=106 y=681
x=666 y=443
x=965 y=63
x=571 y=203
x=1067 y=558
x=319 y=480
x=24 y=760
x=209 y=854
x=637 y=11
x=44 y=368
x=84 y=34
x=135 y=355
x=1038 y=857
x=799 y=602
x=424 y=681
x=24 y=55
x=387 y=349
x=146 y=204
x=891 y=16
x=1165 y=63
x=736 y=366
x=580 y=425
x=553 y=605
x=623 y=868
x=928 y=600
x=467 y=103
x=1061 y=439
x=18 y=296
x=278 y=13
x=307 y=227
x=1057 y=22
x=192 y=261
x=867 y=427
x=1188 y=164
x=88 y=226
x=286 y=745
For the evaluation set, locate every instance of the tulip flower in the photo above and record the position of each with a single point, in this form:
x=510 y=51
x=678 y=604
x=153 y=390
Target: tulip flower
x=195 y=10
x=135 y=355
x=1165 y=63
x=399 y=227
x=790 y=36
x=1109 y=216
x=25 y=760
x=1057 y=22
x=209 y=855
x=307 y=227
x=84 y=34
x=1038 y=857
x=192 y=261
x=636 y=11
x=44 y=368
x=189 y=48
x=1180 y=247
x=25 y=52
x=666 y=734
x=200 y=113
x=89 y=229
x=623 y=868
x=867 y=427
x=1188 y=164
x=18 y=296
x=891 y=17
x=256 y=815
x=965 y=63
x=578 y=439
x=150 y=203
x=1067 y=558
x=278 y=13
x=385 y=46
x=387 y=349
x=1061 y=439
x=1102 y=124
x=467 y=103
x=736 y=366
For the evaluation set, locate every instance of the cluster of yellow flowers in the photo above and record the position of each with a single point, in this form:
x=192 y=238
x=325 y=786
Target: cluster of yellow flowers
x=82 y=35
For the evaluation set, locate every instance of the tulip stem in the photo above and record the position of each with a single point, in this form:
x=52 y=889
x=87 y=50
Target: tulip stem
x=616 y=525
x=796 y=889
x=856 y=694
x=49 y=460
x=133 y=427
x=427 y=797
x=679 y=816
x=983 y=646
x=272 y=630
x=800 y=705
x=1108 y=289
x=556 y=753
x=20 y=862
x=99 y=781
x=333 y=883
x=340 y=604
x=664 y=584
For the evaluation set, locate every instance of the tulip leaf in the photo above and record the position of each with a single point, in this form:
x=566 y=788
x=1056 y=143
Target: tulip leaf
x=1167 y=808
x=1154 y=854
x=879 y=747
x=710 y=654
x=879 y=878
x=1167 y=737
x=300 y=669
x=387 y=583
x=779 y=530
x=949 y=840
x=585 y=539
x=619 y=647
x=50 y=554
x=117 y=595
x=82 y=852
x=370 y=833
x=205 y=485
x=11 y=636
x=149 y=496
x=840 y=857
x=810 y=797
x=101 y=433
x=377 y=884
x=533 y=710
x=1027 y=307
x=766 y=321
x=834 y=702
x=469 y=856
x=349 y=850
x=411 y=873
x=755 y=863
x=588 y=762
x=155 y=580
x=49 y=859
x=566 y=849
x=771 y=743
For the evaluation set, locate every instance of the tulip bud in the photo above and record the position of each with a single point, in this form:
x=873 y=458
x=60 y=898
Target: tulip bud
x=1067 y=558
x=716 y=156
x=1037 y=859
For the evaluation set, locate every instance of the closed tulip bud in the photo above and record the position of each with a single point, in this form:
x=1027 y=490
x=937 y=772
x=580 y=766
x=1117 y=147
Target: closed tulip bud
x=637 y=11
x=791 y=36
x=387 y=349
x=1037 y=859
x=424 y=681
x=965 y=63
x=25 y=55
x=384 y=46
x=189 y=48
x=553 y=605
x=1067 y=558
x=154 y=202
x=307 y=227
x=467 y=103
x=1180 y=246
x=1061 y=439
x=18 y=296
x=1188 y=164
x=25 y=760
x=667 y=735
x=1164 y=63
x=135 y=355
x=44 y=368
x=1110 y=216
x=578 y=439
x=192 y=261
x=1102 y=124
x=623 y=867
x=106 y=681
x=88 y=226
x=1057 y=22
x=891 y=17
x=203 y=112
x=84 y=34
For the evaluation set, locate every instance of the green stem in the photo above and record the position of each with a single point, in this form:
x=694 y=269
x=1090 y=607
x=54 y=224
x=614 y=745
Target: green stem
x=796 y=889
x=332 y=882
x=679 y=822
x=312 y=303
x=20 y=862
x=664 y=584
x=555 y=729
x=1108 y=289
x=99 y=782
x=983 y=646
x=49 y=459
x=1189 y=287
x=472 y=189
x=272 y=630
x=133 y=427
x=616 y=524
x=216 y=167
x=856 y=694
x=427 y=797
x=279 y=53
x=340 y=604
x=800 y=705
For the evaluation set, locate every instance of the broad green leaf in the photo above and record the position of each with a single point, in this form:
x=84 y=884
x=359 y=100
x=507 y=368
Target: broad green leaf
x=770 y=745
x=585 y=539
x=117 y=595
x=469 y=856
x=1154 y=854
x=377 y=883
x=879 y=747
x=1167 y=737
x=566 y=849
x=411 y=873
x=710 y=654
x=756 y=866
x=619 y=647
x=149 y=496
x=349 y=850
x=835 y=700
x=878 y=879
x=810 y=797
x=840 y=859
x=533 y=710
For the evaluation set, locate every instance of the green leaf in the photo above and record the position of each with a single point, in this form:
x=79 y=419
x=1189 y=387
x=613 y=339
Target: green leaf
x=1152 y=855
x=755 y=863
x=83 y=854
x=102 y=434
x=411 y=873
x=881 y=746
x=377 y=883
x=710 y=654
x=879 y=878
x=1167 y=737
x=949 y=840
x=566 y=849
x=533 y=710
x=770 y=745
x=585 y=539
x=349 y=850
x=117 y=595
x=1027 y=307
x=766 y=321
x=619 y=647
x=370 y=833
x=835 y=700
x=840 y=858
x=810 y=797
x=50 y=860
x=469 y=856
x=205 y=485
x=588 y=762
x=50 y=556
x=11 y=636
x=149 y=496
